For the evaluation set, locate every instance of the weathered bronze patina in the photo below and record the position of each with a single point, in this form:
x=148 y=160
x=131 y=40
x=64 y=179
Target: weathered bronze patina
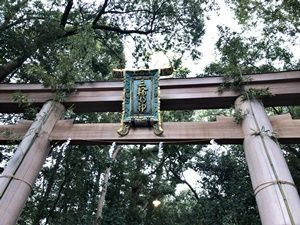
x=141 y=99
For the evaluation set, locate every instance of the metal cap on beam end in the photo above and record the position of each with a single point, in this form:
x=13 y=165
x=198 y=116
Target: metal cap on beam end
x=166 y=71
x=118 y=73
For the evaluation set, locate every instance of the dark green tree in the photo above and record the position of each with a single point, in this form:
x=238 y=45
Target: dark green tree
x=49 y=34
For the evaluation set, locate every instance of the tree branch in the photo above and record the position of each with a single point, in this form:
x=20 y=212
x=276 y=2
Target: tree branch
x=69 y=33
x=123 y=31
x=66 y=13
x=160 y=165
x=56 y=200
x=129 y=11
x=276 y=110
x=101 y=12
x=187 y=183
x=11 y=66
x=6 y=69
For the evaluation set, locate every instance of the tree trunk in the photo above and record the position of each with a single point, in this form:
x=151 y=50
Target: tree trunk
x=105 y=186
x=11 y=66
x=45 y=198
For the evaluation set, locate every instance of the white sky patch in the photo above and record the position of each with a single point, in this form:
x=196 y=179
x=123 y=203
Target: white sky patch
x=192 y=177
x=211 y=36
x=223 y=17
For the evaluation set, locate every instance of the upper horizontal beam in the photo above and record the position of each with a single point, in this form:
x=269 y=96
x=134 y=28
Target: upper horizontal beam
x=176 y=94
x=224 y=131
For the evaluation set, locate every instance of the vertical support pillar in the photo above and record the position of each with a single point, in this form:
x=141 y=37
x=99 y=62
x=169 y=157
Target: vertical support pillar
x=276 y=195
x=19 y=176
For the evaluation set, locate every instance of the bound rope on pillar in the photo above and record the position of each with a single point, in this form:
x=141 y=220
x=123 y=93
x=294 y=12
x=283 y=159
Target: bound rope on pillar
x=16 y=178
x=270 y=183
x=12 y=177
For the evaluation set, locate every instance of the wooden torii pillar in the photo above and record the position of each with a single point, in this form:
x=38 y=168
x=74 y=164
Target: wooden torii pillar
x=275 y=192
x=19 y=176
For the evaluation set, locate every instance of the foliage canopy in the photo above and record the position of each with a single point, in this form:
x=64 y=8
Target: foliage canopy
x=58 y=43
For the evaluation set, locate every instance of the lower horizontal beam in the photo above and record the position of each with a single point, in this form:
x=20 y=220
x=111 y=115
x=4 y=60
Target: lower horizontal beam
x=223 y=131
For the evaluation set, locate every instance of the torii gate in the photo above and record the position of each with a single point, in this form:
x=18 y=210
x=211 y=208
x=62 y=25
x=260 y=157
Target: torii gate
x=275 y=192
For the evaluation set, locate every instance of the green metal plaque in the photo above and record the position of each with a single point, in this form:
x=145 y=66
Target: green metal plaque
x=141 y=100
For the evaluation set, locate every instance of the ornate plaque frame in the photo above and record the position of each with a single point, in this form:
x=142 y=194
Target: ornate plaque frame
x=141 y=100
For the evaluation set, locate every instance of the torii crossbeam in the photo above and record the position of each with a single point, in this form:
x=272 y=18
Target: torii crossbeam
x=269 y=172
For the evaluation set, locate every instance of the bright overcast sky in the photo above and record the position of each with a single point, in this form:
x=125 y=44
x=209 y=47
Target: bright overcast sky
x=159 y=60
